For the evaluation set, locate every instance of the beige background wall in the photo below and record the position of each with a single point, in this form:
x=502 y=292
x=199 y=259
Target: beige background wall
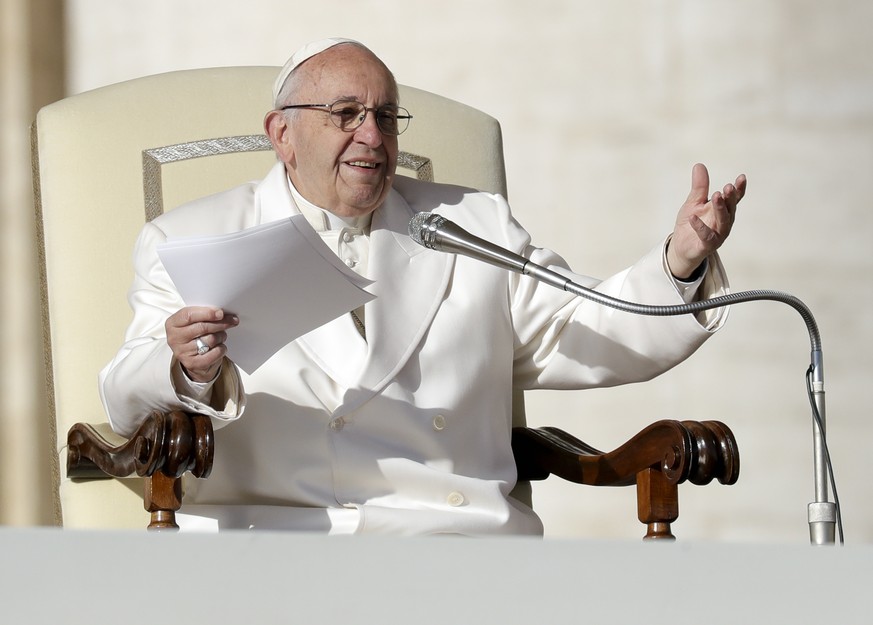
x=32 y=46
x=605 y=107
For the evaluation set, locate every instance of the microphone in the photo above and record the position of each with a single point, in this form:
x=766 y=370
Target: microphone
x=435 y=232
x=438 y=233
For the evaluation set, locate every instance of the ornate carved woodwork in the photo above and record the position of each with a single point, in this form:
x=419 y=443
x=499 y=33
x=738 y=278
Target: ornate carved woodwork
x=658 y=459
x=165 y=446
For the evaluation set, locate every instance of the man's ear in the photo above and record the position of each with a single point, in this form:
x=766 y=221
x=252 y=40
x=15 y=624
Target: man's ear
x=279 y=132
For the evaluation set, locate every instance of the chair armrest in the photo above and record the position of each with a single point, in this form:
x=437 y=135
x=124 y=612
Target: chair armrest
x=657 y=459
x=164 y=447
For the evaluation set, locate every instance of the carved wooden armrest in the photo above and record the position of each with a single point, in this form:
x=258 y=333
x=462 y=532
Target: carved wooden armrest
x=165 y=446
x=657 y=460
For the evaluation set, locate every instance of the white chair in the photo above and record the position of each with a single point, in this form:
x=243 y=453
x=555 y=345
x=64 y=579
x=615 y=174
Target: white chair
x=107 y=160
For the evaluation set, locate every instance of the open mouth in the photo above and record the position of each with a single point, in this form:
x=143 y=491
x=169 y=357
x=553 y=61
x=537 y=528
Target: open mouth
x=364 y=164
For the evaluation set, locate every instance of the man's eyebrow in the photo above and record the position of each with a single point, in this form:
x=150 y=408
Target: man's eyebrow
x=354 y=98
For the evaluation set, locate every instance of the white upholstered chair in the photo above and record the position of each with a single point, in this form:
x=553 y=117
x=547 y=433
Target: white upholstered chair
x=107 y=160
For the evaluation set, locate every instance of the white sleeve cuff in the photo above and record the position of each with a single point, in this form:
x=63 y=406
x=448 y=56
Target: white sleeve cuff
x=200 y=392
x=688 y=290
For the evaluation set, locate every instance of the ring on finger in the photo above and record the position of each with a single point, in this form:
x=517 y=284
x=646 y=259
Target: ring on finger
x=202 y=347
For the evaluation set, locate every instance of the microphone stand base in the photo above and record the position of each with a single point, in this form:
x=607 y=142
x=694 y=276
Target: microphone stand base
x=822 y=523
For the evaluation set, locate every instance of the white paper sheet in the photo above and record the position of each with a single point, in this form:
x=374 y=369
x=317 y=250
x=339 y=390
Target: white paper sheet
x=279 y=278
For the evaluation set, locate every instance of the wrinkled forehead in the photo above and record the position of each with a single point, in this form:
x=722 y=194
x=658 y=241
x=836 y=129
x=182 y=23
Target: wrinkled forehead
x=346 y=70
x=349 y=66
x=330 y=63
x=299 y=57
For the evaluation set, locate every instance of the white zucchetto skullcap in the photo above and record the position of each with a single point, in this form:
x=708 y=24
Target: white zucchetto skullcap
x=306 y=52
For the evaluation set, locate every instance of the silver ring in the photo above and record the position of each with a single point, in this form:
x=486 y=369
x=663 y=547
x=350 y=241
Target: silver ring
x=202 y=347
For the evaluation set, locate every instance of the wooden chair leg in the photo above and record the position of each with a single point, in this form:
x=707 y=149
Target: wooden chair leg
x=162 y=497
x=657 y=504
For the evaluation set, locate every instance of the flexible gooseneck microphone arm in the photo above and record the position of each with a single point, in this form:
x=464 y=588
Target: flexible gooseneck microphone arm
x=438 y=233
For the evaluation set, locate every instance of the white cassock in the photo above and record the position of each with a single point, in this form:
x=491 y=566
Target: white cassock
x=408 y=431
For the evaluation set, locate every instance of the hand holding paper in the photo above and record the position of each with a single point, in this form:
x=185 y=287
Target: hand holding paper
x=279 y=278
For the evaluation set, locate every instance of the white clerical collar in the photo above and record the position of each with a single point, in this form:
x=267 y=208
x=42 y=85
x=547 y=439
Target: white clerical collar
x=323 y=220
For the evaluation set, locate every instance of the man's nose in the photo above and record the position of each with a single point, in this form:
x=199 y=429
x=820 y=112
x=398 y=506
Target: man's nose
x=369 y=132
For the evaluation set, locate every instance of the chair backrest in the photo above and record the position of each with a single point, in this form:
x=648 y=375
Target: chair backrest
x=106 y=160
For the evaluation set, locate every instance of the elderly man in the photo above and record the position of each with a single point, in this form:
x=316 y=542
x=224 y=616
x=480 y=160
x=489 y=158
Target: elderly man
x=397 y=417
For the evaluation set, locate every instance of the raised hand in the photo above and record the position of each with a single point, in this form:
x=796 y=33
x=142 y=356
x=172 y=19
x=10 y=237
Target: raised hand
x=703 y=223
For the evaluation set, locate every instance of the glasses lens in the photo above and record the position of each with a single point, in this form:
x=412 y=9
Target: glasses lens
x=386 y=118
x=348 y=115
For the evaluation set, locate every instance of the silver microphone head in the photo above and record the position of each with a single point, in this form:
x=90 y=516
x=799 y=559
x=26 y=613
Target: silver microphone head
x=423 y=229
x=435 y=232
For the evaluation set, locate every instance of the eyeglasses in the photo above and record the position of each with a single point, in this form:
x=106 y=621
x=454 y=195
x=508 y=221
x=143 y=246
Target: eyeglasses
x=348 y=115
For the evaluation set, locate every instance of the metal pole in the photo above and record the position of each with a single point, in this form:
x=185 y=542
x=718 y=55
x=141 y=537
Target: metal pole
x=822 y=514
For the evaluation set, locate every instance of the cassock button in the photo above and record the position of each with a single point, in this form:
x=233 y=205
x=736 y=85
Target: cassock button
x=439 y=423
x=455 y=499
x=337 y=424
